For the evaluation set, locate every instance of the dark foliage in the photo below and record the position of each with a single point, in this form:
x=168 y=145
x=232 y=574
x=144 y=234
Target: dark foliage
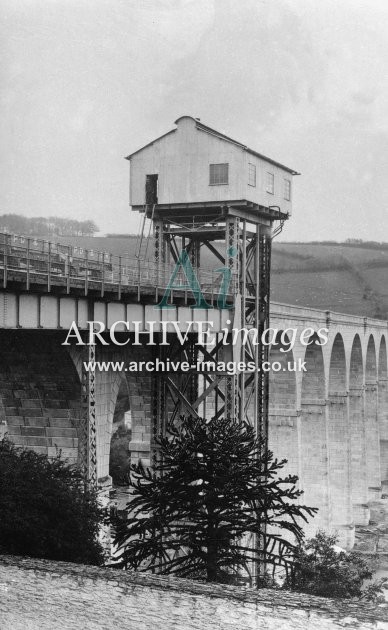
x=195 y=513
x=321 y=570
x=45 y=510
x=119 y=460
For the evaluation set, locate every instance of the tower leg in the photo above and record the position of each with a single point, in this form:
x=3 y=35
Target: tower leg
x=88 y=430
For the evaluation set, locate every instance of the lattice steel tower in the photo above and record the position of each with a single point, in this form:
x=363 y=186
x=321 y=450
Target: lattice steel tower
x=210 y=196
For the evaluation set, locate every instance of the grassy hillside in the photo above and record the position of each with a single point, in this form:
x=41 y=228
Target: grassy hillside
x=349 y=279
x=339 y=277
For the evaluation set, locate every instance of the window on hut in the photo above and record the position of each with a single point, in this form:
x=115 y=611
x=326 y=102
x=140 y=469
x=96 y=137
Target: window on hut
x=251 y=174
x=219 y=174
x=270 y=183
x=287 y=189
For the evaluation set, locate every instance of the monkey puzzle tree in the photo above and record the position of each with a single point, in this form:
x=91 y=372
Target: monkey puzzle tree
x=214 y=486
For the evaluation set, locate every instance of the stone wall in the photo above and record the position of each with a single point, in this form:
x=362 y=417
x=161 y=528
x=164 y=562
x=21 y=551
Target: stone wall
x=40 y=399
x=46 y=595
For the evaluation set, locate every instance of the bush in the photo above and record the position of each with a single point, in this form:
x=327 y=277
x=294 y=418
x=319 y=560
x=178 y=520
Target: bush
x=119 y=460
x=45 y=510
x=321 y=570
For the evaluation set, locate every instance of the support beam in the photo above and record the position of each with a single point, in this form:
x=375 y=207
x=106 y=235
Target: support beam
x=88 y=429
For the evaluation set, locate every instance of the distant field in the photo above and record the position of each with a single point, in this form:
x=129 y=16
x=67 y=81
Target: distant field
x=334 y=277
x=118 y=246
x=348 y=279
x=328 y=290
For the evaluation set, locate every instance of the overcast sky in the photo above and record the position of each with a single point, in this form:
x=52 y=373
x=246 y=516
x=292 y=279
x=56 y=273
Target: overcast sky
x=86 y=82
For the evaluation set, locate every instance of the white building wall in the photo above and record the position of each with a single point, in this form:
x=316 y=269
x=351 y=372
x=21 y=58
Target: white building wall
x=182 y=158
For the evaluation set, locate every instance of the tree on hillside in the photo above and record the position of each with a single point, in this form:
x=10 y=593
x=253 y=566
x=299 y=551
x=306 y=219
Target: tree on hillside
x=215 y=486
x=45 y=510
x=88 y=228
x=14 y=223
x=46 y=227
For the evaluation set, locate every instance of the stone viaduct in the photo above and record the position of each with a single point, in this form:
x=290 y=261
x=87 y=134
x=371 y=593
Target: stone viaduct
x=330 y=422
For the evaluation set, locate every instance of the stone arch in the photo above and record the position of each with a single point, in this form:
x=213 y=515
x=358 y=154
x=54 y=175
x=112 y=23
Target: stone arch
x=337 y=370
x=383 y=413
x=142 y=402
x=122 y=410
x=313 y=381
x=371 y=422
x=107 y=388
x=106 y=391
x=40 y=393
x=313 y=438
x=107 y=385
x=283 y=418
x=356 y=369
x=119 y=456
x=357 y=434
x=382 y=366
x=282 y=383
x=339 y=446
x=371 y=362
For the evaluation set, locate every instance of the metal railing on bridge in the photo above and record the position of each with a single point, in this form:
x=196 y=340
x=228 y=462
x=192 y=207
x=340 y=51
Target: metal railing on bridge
x=30 y=261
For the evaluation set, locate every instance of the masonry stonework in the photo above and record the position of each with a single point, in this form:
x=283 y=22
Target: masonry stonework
x=39 y=393
x=46 y=595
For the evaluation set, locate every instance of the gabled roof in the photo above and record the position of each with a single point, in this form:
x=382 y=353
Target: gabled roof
x=218 y=134
x=128 y=157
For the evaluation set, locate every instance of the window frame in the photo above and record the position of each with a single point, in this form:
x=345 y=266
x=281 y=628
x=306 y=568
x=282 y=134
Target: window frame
x=252 y=169
x=270 y=187
x=218 y=183
x=287 y=189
